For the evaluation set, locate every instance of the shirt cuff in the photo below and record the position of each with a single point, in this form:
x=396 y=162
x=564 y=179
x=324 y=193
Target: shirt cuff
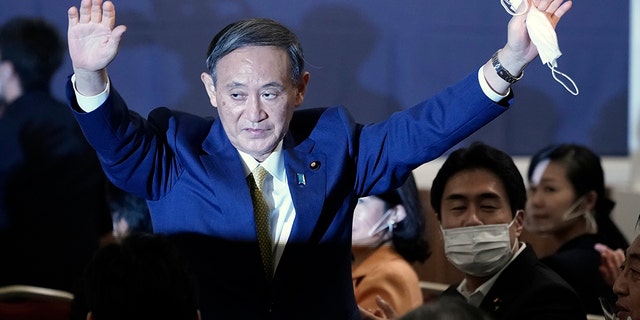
x=90 y=103
x=487 y=89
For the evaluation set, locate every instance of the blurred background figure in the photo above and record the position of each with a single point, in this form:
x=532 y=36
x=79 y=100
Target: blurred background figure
x=569 y=206
x=445 y=308
x=388 y=237
x=627 y=286
x=141 y=276
x=53 y=209
x=129 y=213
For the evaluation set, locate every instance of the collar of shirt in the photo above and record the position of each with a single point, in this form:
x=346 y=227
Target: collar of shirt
x=476 y=297
x=274 y=164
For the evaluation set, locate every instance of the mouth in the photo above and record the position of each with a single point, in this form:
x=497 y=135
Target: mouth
x=622 y=313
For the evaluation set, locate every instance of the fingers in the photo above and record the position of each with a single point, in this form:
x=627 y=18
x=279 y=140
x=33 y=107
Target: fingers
x=96 y=11
x=85 y=11
x=90 y=11
x=72 y=13
x=108 y=14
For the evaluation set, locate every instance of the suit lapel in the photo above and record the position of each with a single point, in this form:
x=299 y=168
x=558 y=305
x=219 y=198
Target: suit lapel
x=307 y=183
x=226 y=177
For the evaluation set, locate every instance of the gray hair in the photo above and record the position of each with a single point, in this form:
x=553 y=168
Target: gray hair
x=256 y=32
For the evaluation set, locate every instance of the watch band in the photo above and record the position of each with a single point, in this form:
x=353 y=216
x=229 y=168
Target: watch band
x=502 y=72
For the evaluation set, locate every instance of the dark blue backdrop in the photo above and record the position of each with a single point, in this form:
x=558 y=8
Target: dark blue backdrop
x=379 y=56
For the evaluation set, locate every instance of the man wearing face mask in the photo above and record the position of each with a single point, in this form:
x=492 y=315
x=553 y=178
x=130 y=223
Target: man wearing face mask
x=479 y=196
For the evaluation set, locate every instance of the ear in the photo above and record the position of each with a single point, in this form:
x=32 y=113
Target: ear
x=519 y=222
x=400 y=212
x=590 y=199
x=302 y=88
x=210 y=88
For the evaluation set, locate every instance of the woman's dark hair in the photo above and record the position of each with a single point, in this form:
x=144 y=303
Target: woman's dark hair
x=409 y=234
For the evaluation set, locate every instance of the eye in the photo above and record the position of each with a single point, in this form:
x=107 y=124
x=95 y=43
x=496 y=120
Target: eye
x=238 y=96
x=270 y=95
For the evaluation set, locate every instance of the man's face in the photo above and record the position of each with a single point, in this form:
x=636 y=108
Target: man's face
x=476 y=197
x=255 y=97
x=627 y=285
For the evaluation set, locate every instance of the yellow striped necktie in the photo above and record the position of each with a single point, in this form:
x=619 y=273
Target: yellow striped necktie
x=261 y=213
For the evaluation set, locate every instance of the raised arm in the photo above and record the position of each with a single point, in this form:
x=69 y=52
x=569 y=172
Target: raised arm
x=93 y=43
x=519 y=50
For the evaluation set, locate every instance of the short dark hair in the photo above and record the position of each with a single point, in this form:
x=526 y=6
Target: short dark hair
x=35 y=49
x=481 y=156
x=142 y=277
x=256 y=32
x=409 y=234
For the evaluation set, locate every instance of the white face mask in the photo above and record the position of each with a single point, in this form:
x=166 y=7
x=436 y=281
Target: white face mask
x=544 y=38
x=552 y=224
x=479 y=250
x=375 y=234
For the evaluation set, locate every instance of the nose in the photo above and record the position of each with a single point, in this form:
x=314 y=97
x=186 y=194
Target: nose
x=620 y=286
x=253 y=109
x=472 y=218
x=534 y=198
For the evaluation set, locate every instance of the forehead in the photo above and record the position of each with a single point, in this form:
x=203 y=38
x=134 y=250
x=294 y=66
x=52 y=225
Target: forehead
x=474 y=183
x=634 y=249
x=550 y=171
x=254 y=60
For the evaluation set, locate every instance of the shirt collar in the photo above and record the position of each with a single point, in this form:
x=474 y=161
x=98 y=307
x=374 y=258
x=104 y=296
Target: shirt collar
x=274 y=163
x=486 y=286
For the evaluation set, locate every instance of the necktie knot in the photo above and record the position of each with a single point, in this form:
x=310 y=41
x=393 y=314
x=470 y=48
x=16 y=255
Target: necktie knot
x=259 y=175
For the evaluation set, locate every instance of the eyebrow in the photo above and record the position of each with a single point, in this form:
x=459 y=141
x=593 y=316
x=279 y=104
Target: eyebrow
x=483 y=196
x=236 y=84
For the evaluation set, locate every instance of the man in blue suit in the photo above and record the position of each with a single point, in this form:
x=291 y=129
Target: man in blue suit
x=193 y=171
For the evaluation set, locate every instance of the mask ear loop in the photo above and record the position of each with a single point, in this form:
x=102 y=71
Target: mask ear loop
x=554 y=71
x=390 y=223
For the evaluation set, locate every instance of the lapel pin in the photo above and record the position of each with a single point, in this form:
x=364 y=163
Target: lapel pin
x=314 y=165
x=301 y=179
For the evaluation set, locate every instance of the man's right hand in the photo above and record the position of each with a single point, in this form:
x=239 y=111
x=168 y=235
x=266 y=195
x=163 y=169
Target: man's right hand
x=93 y=43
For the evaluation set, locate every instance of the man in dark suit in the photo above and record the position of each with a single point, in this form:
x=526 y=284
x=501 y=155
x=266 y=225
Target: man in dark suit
x=318 y=161
x=479 y=196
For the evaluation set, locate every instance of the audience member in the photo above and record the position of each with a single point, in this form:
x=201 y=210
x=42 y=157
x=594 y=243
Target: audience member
x=479 y=197
x=129 y=212
x=295 y=226
x=567 y=202
x=143 y=276
x=53 y=210
x=627 y=285
x=387 y=237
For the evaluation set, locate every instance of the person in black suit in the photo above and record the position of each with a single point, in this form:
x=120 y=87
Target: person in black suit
x=479 y=196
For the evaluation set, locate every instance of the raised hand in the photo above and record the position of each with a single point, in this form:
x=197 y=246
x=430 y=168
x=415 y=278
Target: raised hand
x=518 y=37
x=93 y=42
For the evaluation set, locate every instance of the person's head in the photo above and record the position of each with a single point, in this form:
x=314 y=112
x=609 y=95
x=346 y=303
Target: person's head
x=31 y=50
x=566 y=191
x=255 y=79
x=477 y=191
x=395 y=216
x=141 y=277
x=445 y=308
x=627 y=284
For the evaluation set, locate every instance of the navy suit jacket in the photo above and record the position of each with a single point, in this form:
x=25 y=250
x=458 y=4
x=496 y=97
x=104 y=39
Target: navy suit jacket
x=527 y=289
x=194 y=181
